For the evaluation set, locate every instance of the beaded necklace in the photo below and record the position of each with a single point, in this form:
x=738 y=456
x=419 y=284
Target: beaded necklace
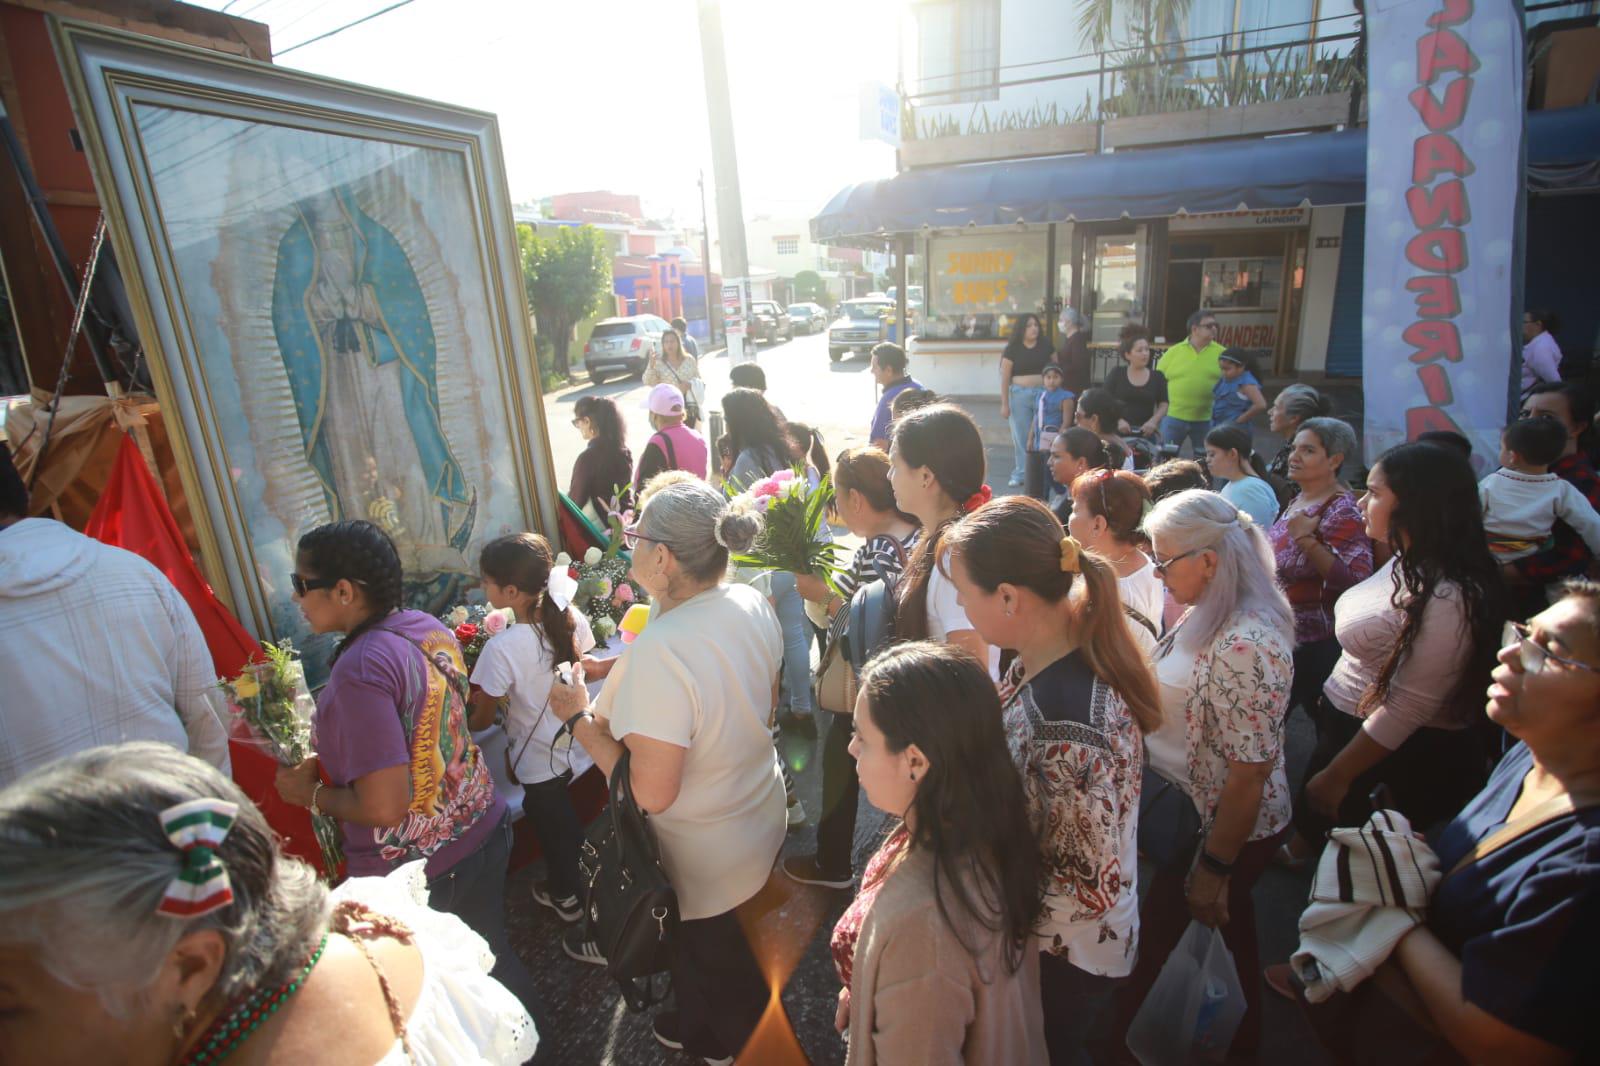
x=230 y=1030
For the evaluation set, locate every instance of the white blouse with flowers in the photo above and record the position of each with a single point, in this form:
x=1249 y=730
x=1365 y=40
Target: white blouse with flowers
x=1233 y=710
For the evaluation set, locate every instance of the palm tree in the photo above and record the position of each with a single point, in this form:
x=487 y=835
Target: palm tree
x=1148 y=22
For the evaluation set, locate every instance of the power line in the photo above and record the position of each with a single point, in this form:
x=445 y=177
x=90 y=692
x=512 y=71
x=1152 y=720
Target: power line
x=341 y=29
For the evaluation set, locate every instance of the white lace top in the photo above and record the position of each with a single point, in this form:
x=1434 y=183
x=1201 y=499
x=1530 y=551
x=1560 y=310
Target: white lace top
x=462 y=1014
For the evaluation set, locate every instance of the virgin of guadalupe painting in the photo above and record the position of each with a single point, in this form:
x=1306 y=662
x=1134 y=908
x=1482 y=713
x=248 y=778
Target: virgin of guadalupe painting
x=328 y=288
x=356 y=336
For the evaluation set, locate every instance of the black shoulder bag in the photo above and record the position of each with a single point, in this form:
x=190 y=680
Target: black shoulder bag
x=630 y=908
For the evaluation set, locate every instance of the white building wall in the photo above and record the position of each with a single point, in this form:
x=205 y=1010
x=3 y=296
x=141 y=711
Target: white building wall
x=1322 y=275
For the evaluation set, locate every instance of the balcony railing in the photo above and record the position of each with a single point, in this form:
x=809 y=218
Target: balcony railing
x=1272 y=79
x=1192 y=74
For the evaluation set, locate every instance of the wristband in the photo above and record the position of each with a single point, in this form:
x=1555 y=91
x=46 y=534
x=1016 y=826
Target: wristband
x=314 y=793
x=571 y=724
x=1214 y=864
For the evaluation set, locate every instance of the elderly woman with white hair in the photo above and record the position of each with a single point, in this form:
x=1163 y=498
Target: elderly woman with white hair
x=1224 y=671
x=688 y=706
x=148 y=917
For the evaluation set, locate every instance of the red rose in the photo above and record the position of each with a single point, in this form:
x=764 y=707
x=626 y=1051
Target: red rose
x=466 y=631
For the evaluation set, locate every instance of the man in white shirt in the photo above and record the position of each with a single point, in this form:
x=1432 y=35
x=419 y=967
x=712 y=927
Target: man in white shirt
x=100 y=647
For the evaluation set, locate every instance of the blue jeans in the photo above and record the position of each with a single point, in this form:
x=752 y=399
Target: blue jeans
x=1024 y=405
x=1176 y=431
x=796 y=642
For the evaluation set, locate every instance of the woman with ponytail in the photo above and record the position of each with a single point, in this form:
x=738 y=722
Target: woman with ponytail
x=517 y=669
x=1107 y=515
x=1232 y=460
x=936 y=467
x=1217 y=798
x=1076 y=451
x=1077 y=701
x=405 y=780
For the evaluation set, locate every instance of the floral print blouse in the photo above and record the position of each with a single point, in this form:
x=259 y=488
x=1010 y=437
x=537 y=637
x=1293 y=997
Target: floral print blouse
x=1234 y=711
x=1342 y=529
x=1081 y=756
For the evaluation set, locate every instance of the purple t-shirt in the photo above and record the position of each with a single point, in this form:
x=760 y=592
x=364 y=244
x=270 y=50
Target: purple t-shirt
x=882 y=414
x=384 y=706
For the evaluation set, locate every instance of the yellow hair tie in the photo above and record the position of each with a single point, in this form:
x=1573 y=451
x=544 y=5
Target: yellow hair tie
x=1070 y=550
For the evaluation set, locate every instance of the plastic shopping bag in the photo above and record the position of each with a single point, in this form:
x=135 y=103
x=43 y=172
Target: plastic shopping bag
x=1193 y=1008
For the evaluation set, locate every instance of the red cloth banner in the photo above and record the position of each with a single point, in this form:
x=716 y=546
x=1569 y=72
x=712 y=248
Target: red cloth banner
x=132 y=514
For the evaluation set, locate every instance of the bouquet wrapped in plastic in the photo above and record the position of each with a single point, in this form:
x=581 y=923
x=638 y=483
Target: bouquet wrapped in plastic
x=793 y=535
x=269 y=708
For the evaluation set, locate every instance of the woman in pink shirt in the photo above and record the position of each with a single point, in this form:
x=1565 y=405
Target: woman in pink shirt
x=1418 y=641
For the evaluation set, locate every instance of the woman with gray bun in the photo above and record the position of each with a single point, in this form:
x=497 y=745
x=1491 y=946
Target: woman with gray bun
x=1294 y=405
x=689 y=703
x=147 y=917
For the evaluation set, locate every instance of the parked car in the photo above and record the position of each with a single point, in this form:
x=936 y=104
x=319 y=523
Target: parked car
x=768 y=322
x=859 y=326
x=622 y=345
x=807 y=318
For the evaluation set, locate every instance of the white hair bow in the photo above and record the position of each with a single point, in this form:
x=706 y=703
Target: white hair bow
x=561 y=587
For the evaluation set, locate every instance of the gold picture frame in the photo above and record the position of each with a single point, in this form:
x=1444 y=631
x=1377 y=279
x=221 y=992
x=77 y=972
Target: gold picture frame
x=327 y=287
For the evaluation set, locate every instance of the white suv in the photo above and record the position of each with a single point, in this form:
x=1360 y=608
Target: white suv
x=622 y=344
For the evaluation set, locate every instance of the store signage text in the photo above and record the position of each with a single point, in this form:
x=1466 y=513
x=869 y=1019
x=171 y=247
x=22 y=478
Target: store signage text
x=976 y=273
x=1275 y=218
x=1439 y=211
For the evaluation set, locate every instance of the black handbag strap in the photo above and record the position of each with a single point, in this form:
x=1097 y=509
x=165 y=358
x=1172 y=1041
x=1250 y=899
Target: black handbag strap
x=626 y=814
x=1139 y=616
x=667 y=449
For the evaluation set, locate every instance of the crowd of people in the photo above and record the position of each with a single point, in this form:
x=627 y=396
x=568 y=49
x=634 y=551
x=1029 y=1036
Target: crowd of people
x=1073 y=715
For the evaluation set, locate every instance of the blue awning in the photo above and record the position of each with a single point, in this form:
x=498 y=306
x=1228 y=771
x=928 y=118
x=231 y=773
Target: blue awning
x=1319 y=169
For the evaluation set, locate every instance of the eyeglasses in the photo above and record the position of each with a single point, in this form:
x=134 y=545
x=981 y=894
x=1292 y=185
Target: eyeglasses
x=1209 y=325
x=1160 y=566
x=1534 y=655
x=632 y=535
x=303 y=585
x=577 y=423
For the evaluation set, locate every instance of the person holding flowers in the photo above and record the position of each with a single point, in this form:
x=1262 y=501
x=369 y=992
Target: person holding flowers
x=516 y=670
x=405 y=780
x=936 y=468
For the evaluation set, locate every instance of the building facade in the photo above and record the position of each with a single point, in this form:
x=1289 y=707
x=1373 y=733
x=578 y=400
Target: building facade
x=1145 y=173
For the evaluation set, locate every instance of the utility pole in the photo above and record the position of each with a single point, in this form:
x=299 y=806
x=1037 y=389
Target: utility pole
x=725 y=174
x=705 y=261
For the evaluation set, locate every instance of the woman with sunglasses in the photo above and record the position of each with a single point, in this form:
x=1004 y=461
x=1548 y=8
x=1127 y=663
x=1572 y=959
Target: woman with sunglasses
x=1418 y=639
x=404 y=778
x=689 y=703
x=1501 y=967
x=602 y=475
x=1224 y=672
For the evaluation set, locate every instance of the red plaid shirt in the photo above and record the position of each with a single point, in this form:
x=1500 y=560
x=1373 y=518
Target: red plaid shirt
x=1568 y=555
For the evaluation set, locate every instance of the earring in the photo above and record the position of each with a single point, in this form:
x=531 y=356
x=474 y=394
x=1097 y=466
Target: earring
x=180 y=1024
x=913 y=777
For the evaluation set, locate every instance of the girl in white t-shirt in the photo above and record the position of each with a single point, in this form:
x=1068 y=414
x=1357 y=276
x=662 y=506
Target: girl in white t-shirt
x=516 y=670
x=1108 y=507
x=937 y=472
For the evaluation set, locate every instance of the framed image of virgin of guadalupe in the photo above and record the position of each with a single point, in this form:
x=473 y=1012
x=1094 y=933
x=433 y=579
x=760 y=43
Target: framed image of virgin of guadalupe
x=326 y=282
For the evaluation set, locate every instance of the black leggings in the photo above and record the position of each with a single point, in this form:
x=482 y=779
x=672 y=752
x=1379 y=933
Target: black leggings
x=1430 y=777
x=841 y=791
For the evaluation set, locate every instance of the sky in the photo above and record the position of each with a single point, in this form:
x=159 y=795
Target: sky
x=610 y=94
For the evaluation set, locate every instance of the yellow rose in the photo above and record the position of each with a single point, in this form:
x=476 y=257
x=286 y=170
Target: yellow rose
x=245 y=687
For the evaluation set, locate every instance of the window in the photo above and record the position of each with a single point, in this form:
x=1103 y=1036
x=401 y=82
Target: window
x=981 y=284
x=958 y=50
x=786 y=245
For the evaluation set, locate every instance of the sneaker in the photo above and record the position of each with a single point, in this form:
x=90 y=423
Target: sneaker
x=797 y=815
x=804 y=869
x=669 y=1034
x=582 y=950
x=567 y=909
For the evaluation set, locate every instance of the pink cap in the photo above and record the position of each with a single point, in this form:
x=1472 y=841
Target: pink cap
x=664 y=399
